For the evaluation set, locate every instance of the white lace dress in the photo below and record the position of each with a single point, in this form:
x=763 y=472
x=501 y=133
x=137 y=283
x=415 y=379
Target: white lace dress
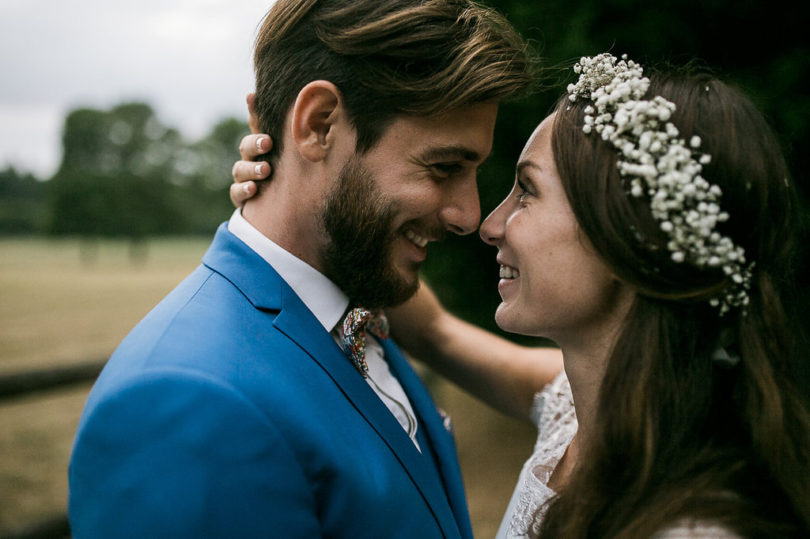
x=553 y=413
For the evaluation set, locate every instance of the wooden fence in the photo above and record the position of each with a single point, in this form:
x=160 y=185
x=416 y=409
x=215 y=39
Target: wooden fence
x=20 y=384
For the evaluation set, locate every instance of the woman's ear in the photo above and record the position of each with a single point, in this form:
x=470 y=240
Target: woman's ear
x=316 y=110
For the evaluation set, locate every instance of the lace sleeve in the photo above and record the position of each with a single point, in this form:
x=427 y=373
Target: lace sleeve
x=536 y=410
x=552 y=401
x=553 y=413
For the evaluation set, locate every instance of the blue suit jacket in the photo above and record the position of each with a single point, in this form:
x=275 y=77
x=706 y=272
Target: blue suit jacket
x=230 y=412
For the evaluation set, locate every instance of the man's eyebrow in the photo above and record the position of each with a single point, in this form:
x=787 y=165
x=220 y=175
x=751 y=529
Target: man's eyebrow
x=451 y=153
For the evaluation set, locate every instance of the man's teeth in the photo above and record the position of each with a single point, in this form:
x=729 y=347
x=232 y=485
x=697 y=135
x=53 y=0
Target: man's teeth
x=509 y=273
x=415 y=238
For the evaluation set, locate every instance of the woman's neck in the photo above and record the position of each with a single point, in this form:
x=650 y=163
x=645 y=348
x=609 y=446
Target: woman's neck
x=586 y=353
x=585 y=357
x=585 y=373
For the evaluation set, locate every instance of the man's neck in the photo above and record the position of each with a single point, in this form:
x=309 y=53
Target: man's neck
x=288 y=217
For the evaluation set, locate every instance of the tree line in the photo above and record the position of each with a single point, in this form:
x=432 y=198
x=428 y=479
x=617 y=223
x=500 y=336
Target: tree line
x=124 y=173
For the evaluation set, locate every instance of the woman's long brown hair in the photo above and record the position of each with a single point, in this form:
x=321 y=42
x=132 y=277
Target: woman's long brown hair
x=678 y=435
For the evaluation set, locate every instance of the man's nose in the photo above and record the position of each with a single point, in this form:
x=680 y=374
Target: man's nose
x=461 y=210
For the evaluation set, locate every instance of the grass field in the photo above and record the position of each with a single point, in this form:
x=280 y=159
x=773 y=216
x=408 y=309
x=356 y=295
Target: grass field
x=69 y=301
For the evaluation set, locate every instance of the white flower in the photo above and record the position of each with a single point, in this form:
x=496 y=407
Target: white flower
x=653 y=156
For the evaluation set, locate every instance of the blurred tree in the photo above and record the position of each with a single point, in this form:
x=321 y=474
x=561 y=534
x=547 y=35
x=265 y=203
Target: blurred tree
x=124 y=173
x=204 y=173
x=112 y=179
x=23 y=208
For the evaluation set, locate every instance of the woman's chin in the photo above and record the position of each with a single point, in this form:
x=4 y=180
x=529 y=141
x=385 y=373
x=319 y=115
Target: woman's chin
x=505 y=320
x=513 y=321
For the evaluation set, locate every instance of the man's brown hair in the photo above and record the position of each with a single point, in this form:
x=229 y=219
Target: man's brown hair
x=387 y=58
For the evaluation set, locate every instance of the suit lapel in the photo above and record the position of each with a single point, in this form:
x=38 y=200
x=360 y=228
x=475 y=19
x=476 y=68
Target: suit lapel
x=300 y=325
x=437 y=434
x=267 y=291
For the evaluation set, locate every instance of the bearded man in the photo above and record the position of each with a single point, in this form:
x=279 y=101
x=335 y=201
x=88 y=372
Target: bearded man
x=261 y=397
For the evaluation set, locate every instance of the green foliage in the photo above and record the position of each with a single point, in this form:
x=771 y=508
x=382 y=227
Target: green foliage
x=124 y=173
x=206 y=176
x=23 y=208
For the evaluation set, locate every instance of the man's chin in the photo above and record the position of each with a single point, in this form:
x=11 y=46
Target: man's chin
x=408 y=270
x=393 y=292
x=409 y=281
x=407 y=294
x=399 y=299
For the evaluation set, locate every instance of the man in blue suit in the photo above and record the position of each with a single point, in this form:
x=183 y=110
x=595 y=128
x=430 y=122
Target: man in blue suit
x=252 y=402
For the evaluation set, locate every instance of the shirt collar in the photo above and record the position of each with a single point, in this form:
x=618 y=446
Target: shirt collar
x=321 y=296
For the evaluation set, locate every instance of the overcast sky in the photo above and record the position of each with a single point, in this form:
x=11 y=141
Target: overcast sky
x=190 y=59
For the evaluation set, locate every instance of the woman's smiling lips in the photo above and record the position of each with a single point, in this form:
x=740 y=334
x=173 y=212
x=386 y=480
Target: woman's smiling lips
x=508 y=272
x=508 y=275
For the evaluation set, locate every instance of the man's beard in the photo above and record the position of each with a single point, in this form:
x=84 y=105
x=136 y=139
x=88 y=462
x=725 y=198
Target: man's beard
x=357 y=257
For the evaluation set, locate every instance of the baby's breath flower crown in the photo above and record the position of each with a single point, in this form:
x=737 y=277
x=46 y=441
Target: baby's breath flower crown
x=655 y=161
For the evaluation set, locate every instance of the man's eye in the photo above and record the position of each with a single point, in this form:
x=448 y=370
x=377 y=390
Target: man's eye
x=446 y=169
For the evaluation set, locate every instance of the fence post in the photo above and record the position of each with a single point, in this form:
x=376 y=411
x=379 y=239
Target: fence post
x=17 y=384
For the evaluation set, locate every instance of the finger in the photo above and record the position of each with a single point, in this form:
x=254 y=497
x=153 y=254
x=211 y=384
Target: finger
x=243 y=171
x=253 y=120
x=240 y=192
x=252 y=146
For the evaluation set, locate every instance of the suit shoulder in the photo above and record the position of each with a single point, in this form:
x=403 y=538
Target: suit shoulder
x=205 y=321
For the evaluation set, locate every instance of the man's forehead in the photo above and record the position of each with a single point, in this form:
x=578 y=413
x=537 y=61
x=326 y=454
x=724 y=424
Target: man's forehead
x=463 y=134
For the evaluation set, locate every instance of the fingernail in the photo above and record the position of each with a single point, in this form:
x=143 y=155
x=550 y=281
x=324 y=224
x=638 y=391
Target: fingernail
x=259 y=144
x=246 y=189
x=258 y=170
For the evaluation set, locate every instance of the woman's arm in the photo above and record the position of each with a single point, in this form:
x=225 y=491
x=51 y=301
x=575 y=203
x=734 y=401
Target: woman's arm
x=500 y=373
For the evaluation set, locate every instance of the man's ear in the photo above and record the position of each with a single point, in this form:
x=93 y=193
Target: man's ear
x=253 y=119
x=316 y=110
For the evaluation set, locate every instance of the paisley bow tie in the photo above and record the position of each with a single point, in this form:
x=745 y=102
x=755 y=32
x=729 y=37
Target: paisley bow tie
x=357 y=322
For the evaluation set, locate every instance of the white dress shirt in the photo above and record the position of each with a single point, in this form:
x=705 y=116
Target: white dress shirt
x=329 y=304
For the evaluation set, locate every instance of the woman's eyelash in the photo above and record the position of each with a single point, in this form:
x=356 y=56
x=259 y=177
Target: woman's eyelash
x=523 y=192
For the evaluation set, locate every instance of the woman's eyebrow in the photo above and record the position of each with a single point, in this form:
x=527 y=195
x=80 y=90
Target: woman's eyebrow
x=523 y=165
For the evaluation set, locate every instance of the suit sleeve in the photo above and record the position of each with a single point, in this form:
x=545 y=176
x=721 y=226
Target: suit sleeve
x=175 y=454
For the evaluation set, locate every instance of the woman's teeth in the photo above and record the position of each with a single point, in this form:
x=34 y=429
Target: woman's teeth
x=417 y=240
x=509 y=273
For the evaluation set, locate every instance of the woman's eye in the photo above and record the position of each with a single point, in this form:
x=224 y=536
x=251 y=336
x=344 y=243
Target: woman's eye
x=521 y=191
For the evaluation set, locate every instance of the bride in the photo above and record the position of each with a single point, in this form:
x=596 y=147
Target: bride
x=678 y=412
